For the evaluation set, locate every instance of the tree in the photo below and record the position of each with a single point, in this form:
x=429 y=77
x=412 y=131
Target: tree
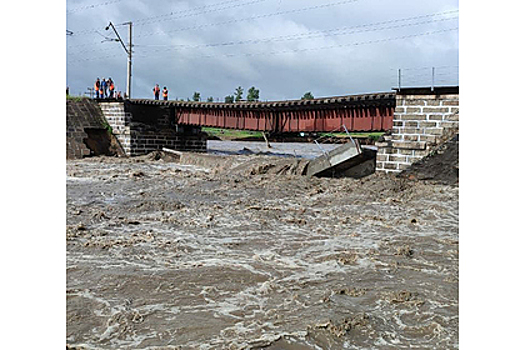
x=229 y=99
x=307 y=96
x=210 y=99
x=238 y=94
x=253 y=94
x=196 y=96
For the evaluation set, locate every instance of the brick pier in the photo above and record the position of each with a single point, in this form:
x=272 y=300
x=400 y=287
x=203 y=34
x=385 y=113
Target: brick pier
x=143 y=129
x=423 y=119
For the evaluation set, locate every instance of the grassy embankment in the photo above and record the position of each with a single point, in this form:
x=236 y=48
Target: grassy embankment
x=227 y=134
x=75 y=98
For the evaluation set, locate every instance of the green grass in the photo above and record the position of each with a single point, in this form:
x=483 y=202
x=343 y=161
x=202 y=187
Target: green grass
x=108 y=127
x=231 y=134
x=228 y=134
x=75 y=98
x=357 y=135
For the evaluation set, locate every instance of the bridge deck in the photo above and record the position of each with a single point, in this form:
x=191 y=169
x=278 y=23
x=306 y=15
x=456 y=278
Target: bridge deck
x=366 y=112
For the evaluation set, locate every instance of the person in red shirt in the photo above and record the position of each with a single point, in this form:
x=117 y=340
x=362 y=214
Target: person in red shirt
x=165 y=93
x=156 y=91
x=111 y=85
x=97 y=88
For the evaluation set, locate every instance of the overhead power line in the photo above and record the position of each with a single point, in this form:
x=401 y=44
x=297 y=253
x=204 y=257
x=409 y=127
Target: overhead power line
x=184 y=13
x=188 y=13
x=268 y=15
x=342 y=30
x=89 y=7
x=302 y=36
x=297 y=50
x=341 y=45
x=94 y=31
x=335 y=32
x=96 y=58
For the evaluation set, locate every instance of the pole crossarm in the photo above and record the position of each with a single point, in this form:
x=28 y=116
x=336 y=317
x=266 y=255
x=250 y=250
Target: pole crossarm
x=110 y=25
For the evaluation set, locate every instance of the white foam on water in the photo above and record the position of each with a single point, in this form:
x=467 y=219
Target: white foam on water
x=89 y=295
x=74 y=179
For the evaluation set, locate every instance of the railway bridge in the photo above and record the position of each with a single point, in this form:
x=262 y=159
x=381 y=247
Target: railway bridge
x=367 y=112
x=418 y=121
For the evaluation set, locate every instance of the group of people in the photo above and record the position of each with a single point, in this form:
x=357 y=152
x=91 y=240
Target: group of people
x=156 y=92
x=106 y=89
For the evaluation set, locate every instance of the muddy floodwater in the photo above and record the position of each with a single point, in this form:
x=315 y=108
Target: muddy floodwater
x=228 y=254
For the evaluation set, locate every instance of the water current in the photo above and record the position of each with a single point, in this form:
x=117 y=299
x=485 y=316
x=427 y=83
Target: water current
x=162 y=255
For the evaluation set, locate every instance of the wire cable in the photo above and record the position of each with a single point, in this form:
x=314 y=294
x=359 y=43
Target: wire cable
x=268 y=15
x=89 y=7
x=336 y=32
x=305 y=50
x=188 y=13
x=324 y=33
x=344 y=30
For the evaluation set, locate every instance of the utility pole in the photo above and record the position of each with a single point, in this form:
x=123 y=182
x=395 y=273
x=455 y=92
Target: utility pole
x=129 y=51
x=128 y=85
x=68 y=33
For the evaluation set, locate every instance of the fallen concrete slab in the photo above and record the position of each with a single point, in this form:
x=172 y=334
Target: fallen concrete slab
x=348 y=160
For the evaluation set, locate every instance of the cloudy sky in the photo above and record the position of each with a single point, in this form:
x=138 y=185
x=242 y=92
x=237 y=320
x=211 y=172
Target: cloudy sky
x=282 y=47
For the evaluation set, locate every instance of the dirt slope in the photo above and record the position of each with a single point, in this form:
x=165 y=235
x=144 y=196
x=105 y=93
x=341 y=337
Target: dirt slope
x=441 y=166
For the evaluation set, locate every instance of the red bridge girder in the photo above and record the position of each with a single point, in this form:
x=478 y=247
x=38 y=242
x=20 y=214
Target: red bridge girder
x=369 y=112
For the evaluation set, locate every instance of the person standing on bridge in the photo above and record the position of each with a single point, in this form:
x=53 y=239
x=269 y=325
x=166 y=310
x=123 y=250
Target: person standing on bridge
x=165 y=94
x=111 y=87
x=156 y=91
x=103 y=88
x=97 y=88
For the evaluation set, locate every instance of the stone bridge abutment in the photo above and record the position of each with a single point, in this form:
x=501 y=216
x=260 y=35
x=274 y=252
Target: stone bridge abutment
x=423 y=120
x=143 y=129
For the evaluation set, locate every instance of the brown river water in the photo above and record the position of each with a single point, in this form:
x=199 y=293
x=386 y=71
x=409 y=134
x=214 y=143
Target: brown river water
x=229 y=254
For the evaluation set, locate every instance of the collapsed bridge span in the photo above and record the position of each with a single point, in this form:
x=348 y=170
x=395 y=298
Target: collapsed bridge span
x=368 y=112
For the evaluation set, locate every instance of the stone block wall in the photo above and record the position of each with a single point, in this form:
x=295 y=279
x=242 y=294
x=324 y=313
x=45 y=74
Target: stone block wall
x=81 y=115
x=143 y=141
x=143 y=129
x=119 y=120
x=422 y=121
